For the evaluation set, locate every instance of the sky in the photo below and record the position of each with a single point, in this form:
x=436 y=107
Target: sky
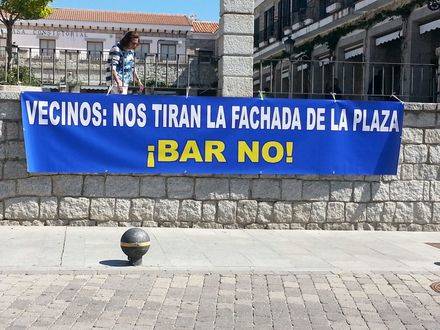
x=203 y=9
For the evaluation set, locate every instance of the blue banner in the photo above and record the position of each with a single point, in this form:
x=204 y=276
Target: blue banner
x=96 y=133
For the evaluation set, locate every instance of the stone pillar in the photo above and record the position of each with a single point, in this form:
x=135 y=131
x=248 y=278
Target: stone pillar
x=236 y=46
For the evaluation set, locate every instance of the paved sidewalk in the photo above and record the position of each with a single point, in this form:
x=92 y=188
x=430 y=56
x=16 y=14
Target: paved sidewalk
x=61 y=248
x=77 y=278
x=213 y=301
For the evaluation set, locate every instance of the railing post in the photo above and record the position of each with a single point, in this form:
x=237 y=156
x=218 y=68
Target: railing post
x=145 y=69
x=383 y=80
x=41 y=65
x=101 y=58
x=65 y=67
x=437 y=92
x=166 y=69
x=333 y=76
x=365 y=75
x=302 y=78
x=30 y=65
x=290 y=79
x=18 y=65
x=177 y=70
x=412 y=81
x=271 y=78
x=77 y=67
x=189 y=72
x=353 y=79
x=393 y=76
x=6 y=67
x=53 y=66
x=343 y=78
x=281 y=78
x=155 y=70
x=88 y=67
x=402 y=80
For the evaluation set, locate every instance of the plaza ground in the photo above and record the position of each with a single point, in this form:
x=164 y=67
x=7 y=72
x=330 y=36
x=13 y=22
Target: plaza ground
x=64 y=277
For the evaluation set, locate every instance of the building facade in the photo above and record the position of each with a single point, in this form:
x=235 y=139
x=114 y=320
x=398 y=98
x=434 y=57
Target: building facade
x=73 y=44
x=93 y=30
x=393 y=56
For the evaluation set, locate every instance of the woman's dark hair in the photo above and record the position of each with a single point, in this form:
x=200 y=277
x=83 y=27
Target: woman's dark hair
x=128 y=37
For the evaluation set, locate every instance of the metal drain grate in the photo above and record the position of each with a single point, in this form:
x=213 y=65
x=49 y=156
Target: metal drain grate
x=436 y=245
x=436 y=287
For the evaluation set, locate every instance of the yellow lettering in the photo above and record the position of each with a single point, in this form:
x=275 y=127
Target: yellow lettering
x=191 y=151
x=214 y=149
x=278 y=155
x=245 y=151
x=167 y=151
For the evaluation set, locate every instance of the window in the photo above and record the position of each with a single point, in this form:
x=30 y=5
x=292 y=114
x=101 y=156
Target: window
x=299 y=9
x=295 y=5
x=167 y=51
x=270 y=25
x=269 y=17
x=302 y=5
x=323 y=8
x=280 y=19
x=205 y=56
x=47 y=47
x=143 y=50
x=285 y=15
x=256 y=32
x=298 y=5
x=94 y=50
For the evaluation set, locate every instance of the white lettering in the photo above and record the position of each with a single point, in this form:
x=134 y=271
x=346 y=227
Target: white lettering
x=31 y=111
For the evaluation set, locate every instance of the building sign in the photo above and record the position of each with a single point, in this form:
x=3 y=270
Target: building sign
x=88 y=133
x=47 y=33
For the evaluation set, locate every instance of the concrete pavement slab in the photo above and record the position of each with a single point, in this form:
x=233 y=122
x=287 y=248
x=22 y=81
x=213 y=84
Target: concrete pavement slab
x=29 y=247
x=97 y=249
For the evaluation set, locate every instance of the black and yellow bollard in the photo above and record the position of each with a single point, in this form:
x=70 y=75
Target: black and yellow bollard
x=135 y=243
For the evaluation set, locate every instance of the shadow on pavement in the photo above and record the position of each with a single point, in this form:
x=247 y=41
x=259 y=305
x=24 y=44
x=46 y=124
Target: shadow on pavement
x=115 y=263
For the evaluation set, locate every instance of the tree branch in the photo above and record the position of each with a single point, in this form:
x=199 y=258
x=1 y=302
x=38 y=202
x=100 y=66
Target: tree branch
x=4 y=20
x=8 y=18
x=15 y=18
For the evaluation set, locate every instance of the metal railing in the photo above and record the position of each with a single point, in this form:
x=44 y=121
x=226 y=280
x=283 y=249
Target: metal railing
x=348 y=80
x=82 y=69
x=344 y=3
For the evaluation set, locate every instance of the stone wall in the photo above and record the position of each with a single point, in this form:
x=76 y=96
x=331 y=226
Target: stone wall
x=408 y=201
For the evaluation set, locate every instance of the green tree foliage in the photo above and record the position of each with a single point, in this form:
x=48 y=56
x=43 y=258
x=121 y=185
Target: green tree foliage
x=13 y=10
x=19 y=76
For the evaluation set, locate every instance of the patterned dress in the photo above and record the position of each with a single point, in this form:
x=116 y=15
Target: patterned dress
x=122 y=61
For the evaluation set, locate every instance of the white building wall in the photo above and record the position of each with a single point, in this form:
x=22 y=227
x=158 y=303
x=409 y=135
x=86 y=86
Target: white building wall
x=64 y=38
x=71 y=39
